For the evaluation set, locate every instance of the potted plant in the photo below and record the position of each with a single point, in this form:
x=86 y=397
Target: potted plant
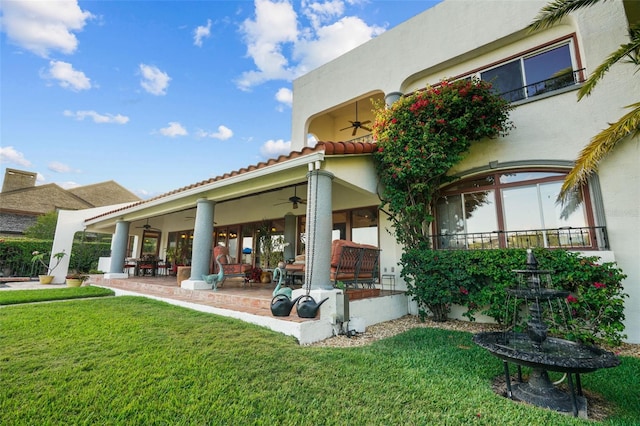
x=254 y=274
x=38 y=257
x=76 y=280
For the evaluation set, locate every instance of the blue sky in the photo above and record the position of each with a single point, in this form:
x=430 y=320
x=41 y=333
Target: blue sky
x=157 y=95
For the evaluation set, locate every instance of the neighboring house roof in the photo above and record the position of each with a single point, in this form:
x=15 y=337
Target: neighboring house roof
x=41 y=199
x=21 y=201
x=104 y=194
x=328 y=148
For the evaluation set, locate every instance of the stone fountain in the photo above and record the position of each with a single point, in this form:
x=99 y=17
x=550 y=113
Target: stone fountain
x=542 y=353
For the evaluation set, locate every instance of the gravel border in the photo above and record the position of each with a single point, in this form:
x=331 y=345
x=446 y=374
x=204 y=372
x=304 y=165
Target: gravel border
x=391 y=328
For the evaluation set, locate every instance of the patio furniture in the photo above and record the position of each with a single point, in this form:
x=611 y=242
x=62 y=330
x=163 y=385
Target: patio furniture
x=351 y=263
x=229 y=266
x=146 y=266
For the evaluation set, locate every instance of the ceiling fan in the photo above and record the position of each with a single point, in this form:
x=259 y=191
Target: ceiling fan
x=355 y=125
x=295 y=200
x=148 y=227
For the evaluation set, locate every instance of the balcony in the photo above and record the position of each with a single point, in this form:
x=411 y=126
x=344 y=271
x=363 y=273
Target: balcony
x=366 y=138
x=558 y=82
x=568 y=238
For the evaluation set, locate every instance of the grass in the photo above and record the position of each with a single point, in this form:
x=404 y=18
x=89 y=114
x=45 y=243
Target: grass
x=130 y=360
x=14 y=297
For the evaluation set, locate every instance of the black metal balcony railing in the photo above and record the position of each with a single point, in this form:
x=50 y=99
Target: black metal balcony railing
x=558 y=82
x=586 y=238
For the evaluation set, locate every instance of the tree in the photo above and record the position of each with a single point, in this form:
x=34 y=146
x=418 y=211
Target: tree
x=628 y=125
x=44 y=228
x=420 y=137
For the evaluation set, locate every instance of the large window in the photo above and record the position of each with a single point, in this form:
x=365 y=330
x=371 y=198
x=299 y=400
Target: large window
x=533 y=74
x=510 y=210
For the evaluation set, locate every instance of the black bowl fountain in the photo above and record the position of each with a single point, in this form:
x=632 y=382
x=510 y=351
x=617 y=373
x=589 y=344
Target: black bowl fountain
x=541 y=353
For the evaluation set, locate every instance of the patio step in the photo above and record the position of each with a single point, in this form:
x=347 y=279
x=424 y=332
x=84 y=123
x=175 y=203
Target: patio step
x=232 y=296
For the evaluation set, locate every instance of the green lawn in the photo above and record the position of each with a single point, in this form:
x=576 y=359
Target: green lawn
x=135 y=361
x=13 y=297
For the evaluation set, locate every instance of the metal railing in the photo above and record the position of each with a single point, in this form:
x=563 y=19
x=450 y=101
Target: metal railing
x=365 y=138
x=555 y=83
x=585 y=238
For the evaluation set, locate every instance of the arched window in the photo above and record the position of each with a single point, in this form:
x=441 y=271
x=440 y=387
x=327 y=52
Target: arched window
x=513 y=209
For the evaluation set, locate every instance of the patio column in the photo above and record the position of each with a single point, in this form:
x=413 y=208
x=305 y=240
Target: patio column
x=319 y=226
x=391 y=97
x=119 y=250
x=201 y=250
x=290 y=236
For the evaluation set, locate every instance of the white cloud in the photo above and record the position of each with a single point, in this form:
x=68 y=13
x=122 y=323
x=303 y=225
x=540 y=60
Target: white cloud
x=8 y=154
x=68 y=184
x=284 y=96
x=311 y=140
x=42 y=26
x=67 y=77
x=223 y=133
x=97 y=118
x=319 y=12
x=275 y=24
x=174 y=129
x=331 y=41
x=58 y=167
x=153 y=80
x=201 y=32
x=282 y=48
x=272 y=149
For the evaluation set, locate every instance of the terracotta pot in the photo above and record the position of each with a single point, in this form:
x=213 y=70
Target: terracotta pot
x=265 y=277
x=45 y=279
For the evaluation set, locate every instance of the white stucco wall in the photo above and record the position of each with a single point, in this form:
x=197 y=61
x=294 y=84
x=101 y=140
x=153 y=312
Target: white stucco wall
x=458 y=36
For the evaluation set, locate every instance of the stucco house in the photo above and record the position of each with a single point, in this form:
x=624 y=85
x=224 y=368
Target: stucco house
x=519 y=175
x=22 y=201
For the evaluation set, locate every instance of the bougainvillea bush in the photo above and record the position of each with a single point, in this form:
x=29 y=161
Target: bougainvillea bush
x=420 y=137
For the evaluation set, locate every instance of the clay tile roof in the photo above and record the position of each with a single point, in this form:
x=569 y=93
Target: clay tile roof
x=329 y=148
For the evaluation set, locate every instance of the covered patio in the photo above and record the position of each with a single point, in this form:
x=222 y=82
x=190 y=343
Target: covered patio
x=308 y=198
x=250 y=303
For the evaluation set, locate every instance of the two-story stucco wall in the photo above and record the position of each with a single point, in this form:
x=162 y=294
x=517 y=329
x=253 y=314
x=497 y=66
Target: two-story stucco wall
x=457 y=37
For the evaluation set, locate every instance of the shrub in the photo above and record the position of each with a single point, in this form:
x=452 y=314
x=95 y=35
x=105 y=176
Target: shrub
x=478 y=279
x=420 y=138
x=16 y=255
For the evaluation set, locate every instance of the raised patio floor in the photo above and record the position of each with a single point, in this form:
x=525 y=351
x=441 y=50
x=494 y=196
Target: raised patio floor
x=254 y=299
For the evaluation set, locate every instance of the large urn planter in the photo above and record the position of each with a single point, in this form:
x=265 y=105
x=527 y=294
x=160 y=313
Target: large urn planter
x=45 y=279
x=266 y=277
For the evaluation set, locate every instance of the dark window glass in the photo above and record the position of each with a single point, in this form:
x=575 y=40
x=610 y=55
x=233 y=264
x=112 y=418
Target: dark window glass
x=550 y=70
x=506 y=80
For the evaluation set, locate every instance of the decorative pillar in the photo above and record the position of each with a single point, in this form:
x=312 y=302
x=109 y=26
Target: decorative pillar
x=201 y=250
x=290 y=236
x=119 y=250
x=319 y=226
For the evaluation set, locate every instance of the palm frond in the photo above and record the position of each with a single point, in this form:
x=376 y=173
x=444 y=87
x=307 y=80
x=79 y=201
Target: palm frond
x=553 y=12
x=629 y=50
x=598 y=148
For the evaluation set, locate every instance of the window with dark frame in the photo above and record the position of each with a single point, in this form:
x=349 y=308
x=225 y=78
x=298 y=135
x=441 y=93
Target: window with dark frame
x=510 y=209
x=533 y=74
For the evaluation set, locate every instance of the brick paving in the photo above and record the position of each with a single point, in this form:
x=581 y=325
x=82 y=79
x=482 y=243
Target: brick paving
x=253 y=298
